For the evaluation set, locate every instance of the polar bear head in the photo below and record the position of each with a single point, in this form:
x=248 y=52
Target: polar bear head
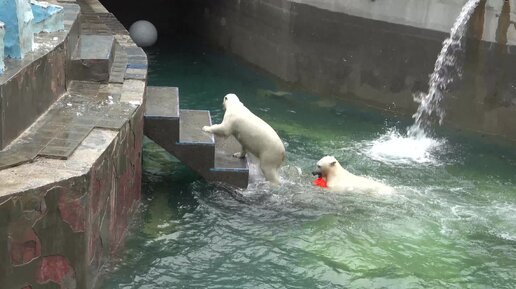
x=231 y=100
x=326 y=165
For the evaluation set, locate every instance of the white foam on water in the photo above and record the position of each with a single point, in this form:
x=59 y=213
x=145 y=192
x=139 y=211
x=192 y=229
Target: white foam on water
x=394 y=147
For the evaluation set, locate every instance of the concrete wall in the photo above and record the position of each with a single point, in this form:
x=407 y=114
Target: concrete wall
x=438 y=15
x=358 y=50
x=61 y=220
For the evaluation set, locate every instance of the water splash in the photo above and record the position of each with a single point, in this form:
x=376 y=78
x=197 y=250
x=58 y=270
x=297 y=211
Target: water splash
x=445 y=71
x=396 y=148
x=417 y=146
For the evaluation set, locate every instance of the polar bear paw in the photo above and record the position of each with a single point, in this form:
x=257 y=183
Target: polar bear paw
x=239 y=155
x=206 y=128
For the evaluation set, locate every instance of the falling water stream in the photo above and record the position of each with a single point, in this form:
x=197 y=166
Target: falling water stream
x=445 y=71
x=417 y=145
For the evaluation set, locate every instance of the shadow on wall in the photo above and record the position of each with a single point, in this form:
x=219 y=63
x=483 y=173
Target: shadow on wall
x=164 y=14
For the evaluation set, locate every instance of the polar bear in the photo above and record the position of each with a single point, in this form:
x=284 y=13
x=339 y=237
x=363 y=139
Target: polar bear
x=254 y=134
x=340 y=180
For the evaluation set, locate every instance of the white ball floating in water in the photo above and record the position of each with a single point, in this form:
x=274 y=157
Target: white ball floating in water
x=143 y=33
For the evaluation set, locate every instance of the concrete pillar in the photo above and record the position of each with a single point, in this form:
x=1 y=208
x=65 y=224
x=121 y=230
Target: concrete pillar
x=17 y=16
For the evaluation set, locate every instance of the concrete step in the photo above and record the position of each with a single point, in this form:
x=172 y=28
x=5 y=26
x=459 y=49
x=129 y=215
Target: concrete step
x=92 y=58
x=229 y=169
x=191 y=123
x=180 y=133
x=162 y=102
x=195 y=148
x=162 y=116
x=119 y=66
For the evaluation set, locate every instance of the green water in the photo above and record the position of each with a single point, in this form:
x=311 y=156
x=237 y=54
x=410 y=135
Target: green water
x=450 y=224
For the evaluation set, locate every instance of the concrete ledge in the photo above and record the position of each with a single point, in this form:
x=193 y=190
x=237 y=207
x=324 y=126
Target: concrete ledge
x=78 y=209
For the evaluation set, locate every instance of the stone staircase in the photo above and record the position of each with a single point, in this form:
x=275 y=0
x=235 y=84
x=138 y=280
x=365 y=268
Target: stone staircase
x=179 y=132
x=104 y=80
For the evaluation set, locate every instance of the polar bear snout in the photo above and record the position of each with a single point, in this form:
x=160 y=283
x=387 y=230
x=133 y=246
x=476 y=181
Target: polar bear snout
x=317 y=173
x=324 y=165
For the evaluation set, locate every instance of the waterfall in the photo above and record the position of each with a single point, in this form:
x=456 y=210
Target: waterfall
x=416 y=146
x=445 y=71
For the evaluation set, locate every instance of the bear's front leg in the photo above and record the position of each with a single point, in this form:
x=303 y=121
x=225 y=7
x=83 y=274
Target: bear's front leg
x=206 y=128
x=218 y=129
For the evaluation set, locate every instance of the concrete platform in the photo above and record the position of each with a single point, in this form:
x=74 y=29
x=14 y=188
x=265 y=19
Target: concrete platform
x=93 y=57
x=162 y=102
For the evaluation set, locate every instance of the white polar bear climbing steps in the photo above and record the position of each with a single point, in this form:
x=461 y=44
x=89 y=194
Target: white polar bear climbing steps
x=255 y=135
x=340 y=180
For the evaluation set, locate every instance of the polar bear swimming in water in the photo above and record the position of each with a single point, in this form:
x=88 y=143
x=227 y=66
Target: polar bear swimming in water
x=254 y=134
x=340 y=180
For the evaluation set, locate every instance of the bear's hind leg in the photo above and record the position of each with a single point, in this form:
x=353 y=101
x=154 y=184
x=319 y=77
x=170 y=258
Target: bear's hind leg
x=271 y=173
x=241 y=154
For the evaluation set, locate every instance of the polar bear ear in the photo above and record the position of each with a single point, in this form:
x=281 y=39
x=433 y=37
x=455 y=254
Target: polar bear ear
x=332 y=164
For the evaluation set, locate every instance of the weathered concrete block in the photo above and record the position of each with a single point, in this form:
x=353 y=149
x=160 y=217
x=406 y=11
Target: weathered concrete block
x=47 y=17
x=17 y=16
x=92 y=58
x=2 y=34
